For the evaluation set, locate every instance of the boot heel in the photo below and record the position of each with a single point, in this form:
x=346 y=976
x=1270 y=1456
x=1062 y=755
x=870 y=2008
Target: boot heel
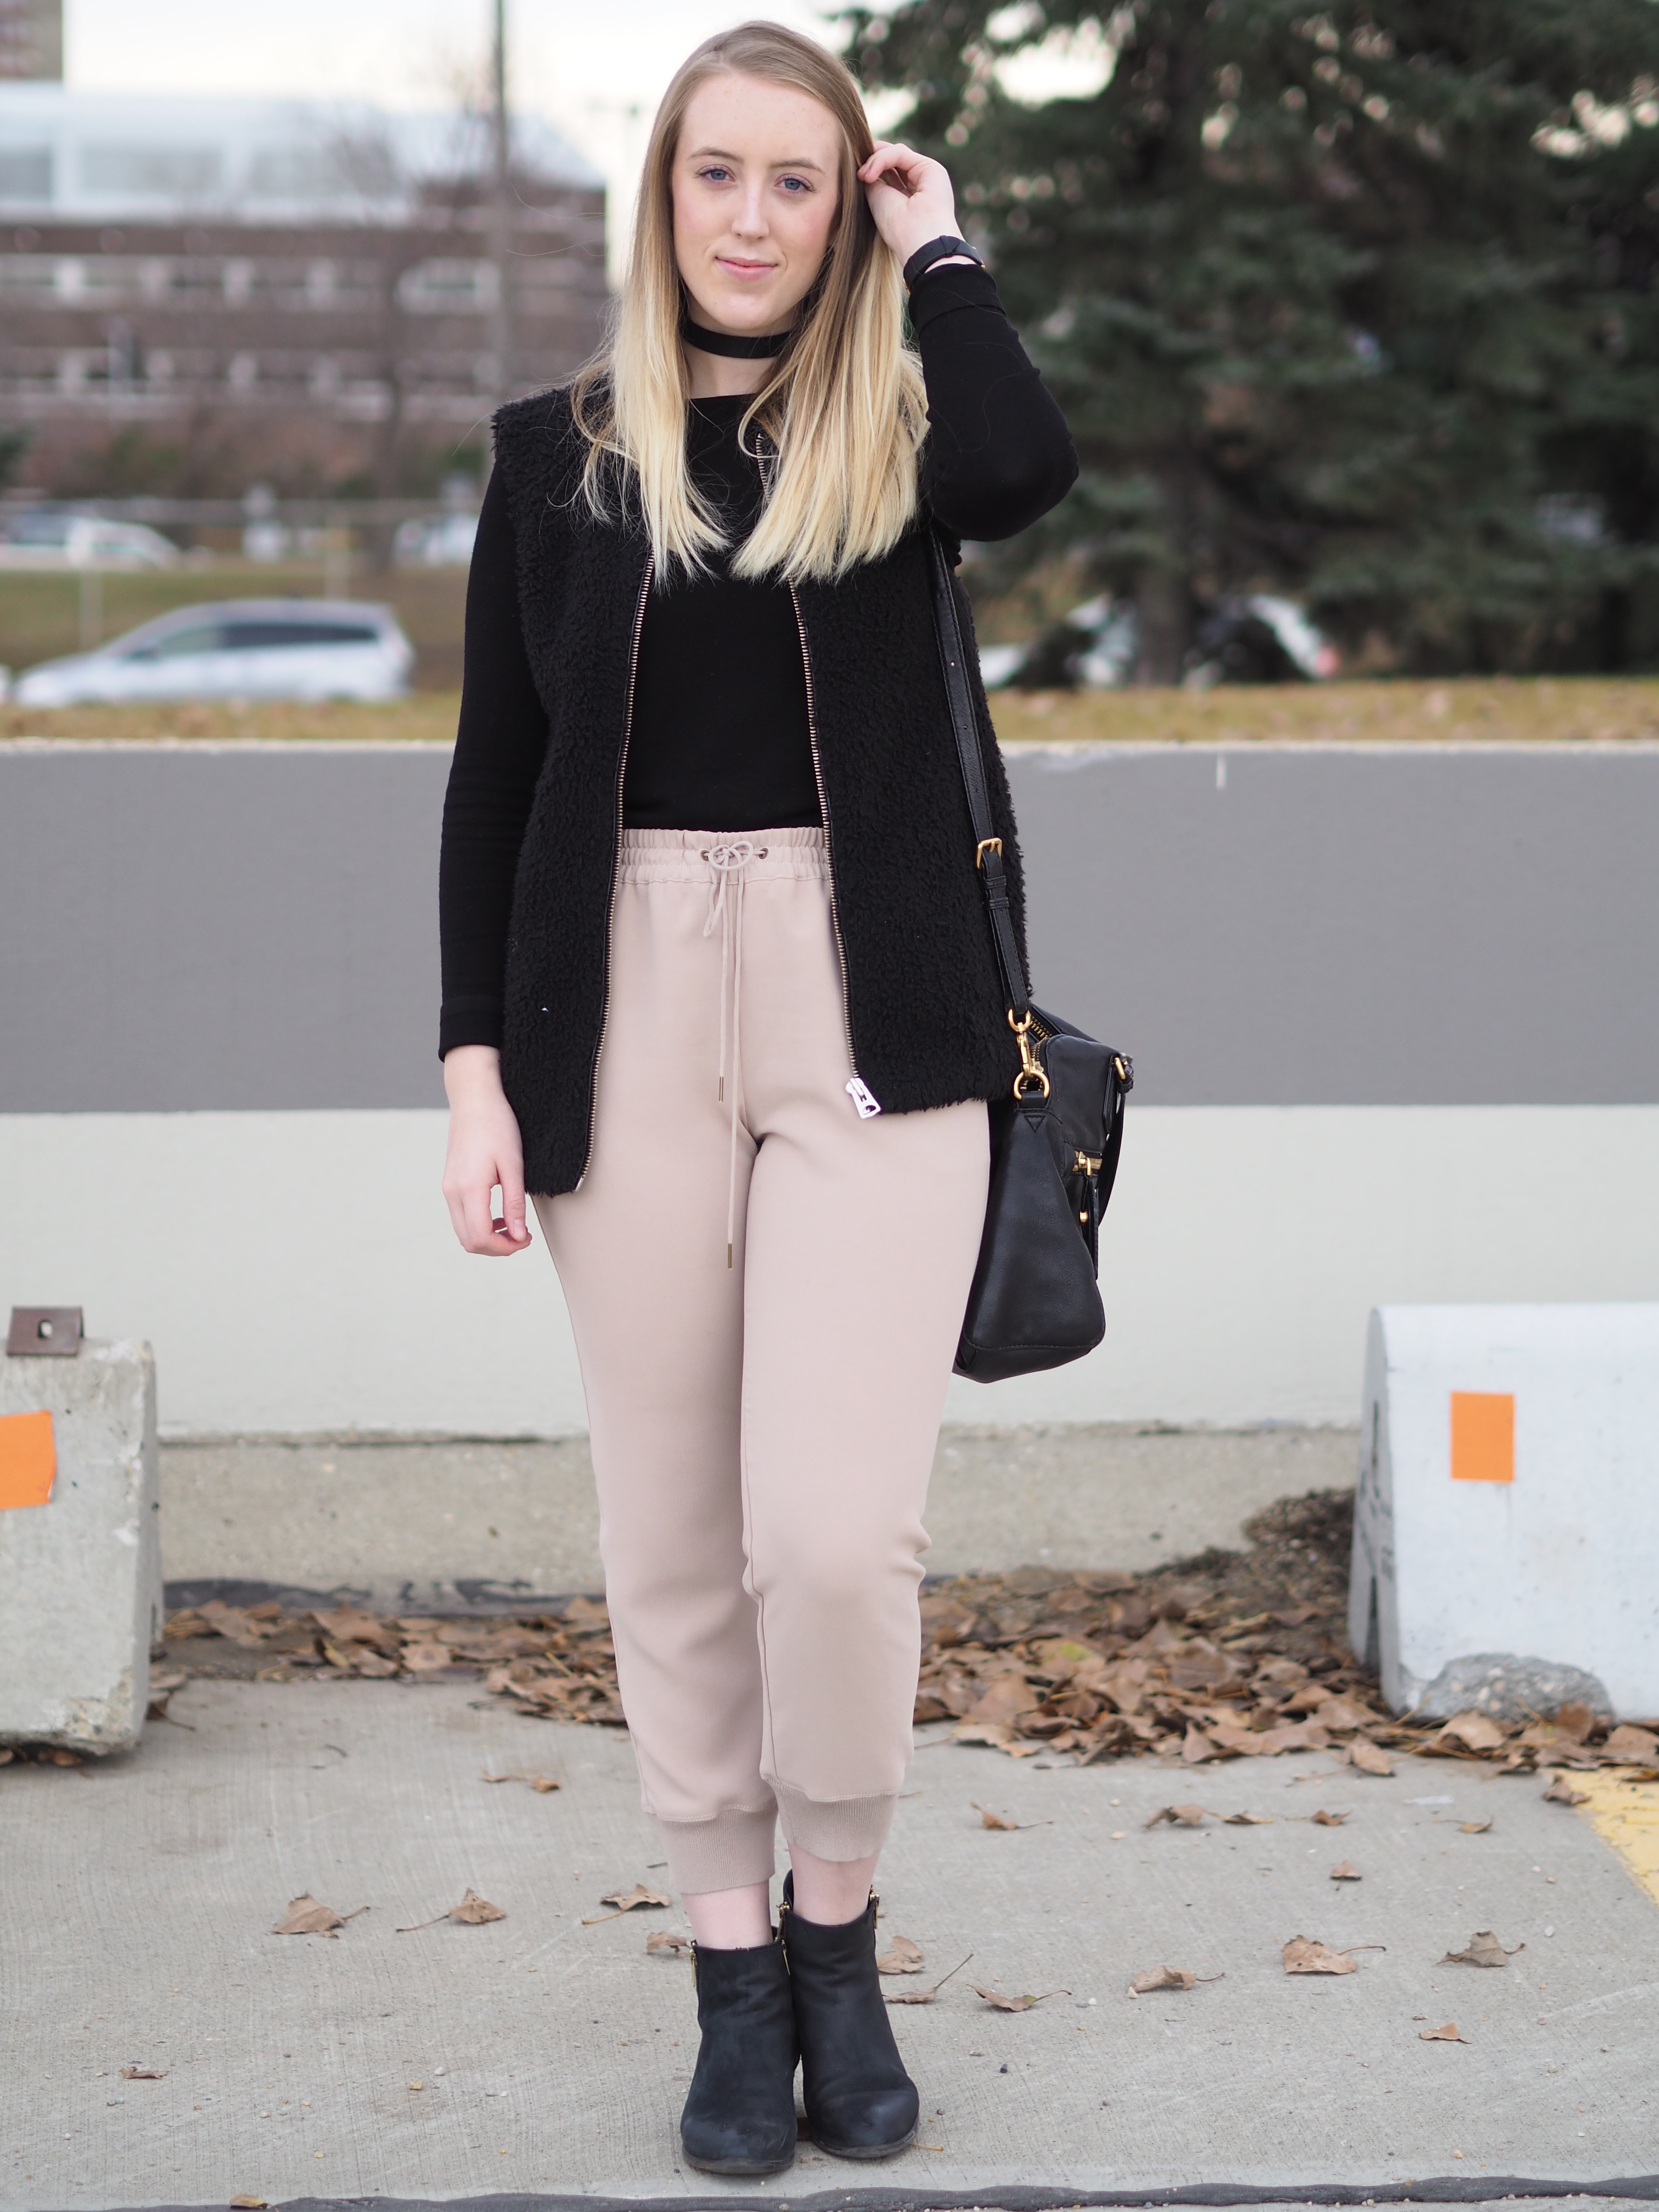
x=860 y=2101
x=739 y=2115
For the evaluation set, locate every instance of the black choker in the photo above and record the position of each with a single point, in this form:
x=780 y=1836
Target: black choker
x=734 y=348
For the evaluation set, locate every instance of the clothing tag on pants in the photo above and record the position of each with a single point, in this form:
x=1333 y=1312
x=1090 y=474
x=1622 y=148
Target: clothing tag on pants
x=863 y=1098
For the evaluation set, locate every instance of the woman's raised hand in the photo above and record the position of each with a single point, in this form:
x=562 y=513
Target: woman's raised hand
x=485 y=1150
x=910 y=195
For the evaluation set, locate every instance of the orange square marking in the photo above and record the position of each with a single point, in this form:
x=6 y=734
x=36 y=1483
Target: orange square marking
x=29 y=1459
x=1483 y=1435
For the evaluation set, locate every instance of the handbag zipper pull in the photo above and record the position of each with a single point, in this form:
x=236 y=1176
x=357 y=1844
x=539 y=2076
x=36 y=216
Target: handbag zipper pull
x=863 y=1098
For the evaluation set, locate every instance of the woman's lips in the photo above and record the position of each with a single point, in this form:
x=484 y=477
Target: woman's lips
x=746 y=269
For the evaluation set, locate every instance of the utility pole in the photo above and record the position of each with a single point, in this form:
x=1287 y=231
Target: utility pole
x=500 y=209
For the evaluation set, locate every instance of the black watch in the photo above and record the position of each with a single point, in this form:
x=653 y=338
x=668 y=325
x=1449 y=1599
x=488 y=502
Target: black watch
x=938 y=249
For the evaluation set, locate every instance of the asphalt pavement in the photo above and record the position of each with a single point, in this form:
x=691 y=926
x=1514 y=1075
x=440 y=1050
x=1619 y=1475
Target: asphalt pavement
x=415 y=1521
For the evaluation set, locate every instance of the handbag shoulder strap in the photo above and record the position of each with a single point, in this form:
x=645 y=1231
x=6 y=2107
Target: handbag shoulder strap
x=964 y=726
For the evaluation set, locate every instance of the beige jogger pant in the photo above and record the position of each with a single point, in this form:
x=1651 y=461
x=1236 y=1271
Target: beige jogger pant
x=762 y=1432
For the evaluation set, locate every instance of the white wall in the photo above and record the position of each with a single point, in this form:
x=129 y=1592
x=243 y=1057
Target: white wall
x=296 y=1273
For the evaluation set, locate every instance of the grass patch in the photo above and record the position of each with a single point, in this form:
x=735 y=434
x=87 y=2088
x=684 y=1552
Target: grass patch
x=424 y=717
x=1530 y=710
x=1609 y=710
x=40 y=613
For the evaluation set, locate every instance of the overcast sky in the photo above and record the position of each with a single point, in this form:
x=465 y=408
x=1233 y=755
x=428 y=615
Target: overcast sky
x=584 y=64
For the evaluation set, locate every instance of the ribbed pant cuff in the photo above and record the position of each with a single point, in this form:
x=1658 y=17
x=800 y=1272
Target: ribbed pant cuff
x=728 y=1852
x=834 y=1827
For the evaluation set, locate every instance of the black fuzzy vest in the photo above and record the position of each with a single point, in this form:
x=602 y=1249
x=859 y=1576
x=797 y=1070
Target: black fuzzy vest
x=924 y=1005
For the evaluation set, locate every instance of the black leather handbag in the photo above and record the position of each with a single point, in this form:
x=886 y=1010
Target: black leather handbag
x=1055 y=1140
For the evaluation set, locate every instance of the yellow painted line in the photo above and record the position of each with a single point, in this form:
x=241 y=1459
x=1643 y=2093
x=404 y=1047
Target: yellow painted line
x=1626 y=1814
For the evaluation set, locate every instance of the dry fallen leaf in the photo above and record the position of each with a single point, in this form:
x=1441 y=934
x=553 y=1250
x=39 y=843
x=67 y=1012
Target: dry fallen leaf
x=1561 y=1792
x=539 y=1783
x=1000 y=2004
x=1167 y=1977
x=1347 y=1871
x=925 y=1997
x=1303 y=1955
x=1324 y=1820
x=247 y=2204
x=1484 y=1950
x=1639 y=1746
x=627 y=1900
x=305 y=1917
x=903 y=1957
x=1365 y=1754
x=348 y=1624
x=144 y=2073
x=1446 y=2034
x=162 y=1684
x=1185 y=1816
x=999 y=1820
x=994 y=1733
x=667 y=1939
x=1250 y=1819
x=1033 y=1662
x=1475 y=1731
x=1473 y=1827
x=472 y=1912
x=1004 y=1703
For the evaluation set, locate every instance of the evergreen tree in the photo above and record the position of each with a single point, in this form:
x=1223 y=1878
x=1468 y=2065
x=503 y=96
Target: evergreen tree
x=13 y=444
x=1357 y=303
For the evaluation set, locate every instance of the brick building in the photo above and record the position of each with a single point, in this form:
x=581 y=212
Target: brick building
x=195 y=293
x=31 y=39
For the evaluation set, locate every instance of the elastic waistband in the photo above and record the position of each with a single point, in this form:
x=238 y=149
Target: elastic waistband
x=681 y=856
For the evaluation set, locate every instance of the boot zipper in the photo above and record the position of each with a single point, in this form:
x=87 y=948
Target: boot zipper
x=857 y=1089
x=616 y=864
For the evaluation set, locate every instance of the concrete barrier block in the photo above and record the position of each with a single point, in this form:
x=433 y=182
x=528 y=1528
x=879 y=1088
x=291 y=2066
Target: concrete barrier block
x=81 y=1574
x=1506 y=1533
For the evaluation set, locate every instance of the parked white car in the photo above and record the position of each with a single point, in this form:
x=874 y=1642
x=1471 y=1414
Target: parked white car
x=58 y=537
x=237 y=650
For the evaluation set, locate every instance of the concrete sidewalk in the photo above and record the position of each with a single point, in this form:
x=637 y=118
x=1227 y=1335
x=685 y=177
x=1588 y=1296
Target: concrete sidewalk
x=404 y=1520
x=541 y=2058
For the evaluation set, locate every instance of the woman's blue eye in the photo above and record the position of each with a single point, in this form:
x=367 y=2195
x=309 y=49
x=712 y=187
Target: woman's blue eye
x=715 y=175
x=798 y=184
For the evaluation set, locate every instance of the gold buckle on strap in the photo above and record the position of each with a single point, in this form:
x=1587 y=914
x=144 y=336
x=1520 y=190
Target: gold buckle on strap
x=1031 y=1069
x=987 y=845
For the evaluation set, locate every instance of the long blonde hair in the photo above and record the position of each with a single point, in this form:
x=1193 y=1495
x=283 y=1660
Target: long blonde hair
x=842 y=414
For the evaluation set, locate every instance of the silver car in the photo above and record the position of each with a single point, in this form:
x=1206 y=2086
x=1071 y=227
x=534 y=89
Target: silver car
x=237 y=650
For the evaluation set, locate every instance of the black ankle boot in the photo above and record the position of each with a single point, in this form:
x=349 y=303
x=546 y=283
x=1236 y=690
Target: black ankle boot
x=860 y=2101
x=739 y=2114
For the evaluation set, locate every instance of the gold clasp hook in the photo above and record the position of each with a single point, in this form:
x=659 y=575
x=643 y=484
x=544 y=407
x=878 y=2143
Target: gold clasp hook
x=1031 y=1069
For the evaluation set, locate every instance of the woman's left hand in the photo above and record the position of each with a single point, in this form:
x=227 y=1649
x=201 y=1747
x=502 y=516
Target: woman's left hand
x=920 y=207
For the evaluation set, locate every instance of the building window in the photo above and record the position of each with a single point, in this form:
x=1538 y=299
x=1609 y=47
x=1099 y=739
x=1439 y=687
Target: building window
x=28 y=277
x=151 y=172
x=25 y=174
x=449 y=288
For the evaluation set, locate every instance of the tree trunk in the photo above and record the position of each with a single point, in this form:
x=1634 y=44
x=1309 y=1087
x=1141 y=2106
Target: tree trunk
x=1164 y=608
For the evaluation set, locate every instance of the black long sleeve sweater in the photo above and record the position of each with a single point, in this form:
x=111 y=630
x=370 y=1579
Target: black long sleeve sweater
x=720 y=737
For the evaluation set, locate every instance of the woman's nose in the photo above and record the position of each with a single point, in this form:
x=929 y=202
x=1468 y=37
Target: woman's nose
x=749 y=220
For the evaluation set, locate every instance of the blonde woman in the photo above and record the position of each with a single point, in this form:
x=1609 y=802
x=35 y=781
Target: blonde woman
x=720 y=992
